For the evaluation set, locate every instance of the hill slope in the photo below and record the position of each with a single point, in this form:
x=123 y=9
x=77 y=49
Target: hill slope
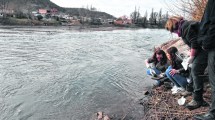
x=33 y=5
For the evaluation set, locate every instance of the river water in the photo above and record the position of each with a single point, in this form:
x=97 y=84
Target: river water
x=59 y=74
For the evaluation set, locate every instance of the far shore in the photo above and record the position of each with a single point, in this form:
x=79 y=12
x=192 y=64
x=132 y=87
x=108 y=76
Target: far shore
x=70 y=28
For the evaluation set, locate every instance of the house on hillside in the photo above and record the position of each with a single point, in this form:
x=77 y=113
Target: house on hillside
x=110 y=21
x=48 y=13
x=124 y=20
x=53 y=11
x=35 y=13
x=42 y=11
x=6 y=12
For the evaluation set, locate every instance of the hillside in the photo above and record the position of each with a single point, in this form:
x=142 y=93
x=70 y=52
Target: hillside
x=33 y=5
x=88 y=13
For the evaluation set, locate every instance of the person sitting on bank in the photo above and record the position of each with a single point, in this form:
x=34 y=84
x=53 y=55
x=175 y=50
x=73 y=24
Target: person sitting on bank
x=157 y=64
x=188 y=31
x=175 y=72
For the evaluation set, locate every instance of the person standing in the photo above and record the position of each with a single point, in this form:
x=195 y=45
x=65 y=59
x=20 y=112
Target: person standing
x=188 y=31
x=207 y=40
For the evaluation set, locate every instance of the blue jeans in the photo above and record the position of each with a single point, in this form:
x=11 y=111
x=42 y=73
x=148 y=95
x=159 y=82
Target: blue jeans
x=177 y=79
x=156 y=71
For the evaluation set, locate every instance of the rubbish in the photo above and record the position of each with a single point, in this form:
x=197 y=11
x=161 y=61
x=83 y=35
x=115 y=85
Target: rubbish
x=181 y=101
x=189 y=80
x=185 y=64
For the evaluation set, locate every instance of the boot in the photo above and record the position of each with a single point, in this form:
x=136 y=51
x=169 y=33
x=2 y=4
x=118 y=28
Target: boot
x=196 y=104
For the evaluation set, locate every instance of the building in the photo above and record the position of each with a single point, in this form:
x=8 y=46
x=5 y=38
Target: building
x=7 y=11
x=124 y=20
x=42 y=11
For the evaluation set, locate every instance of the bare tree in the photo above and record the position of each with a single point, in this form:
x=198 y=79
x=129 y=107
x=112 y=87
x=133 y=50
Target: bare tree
x=4 y=6
x=135 y=15
x=153 y=17
x=160 y=17
x=190 y=9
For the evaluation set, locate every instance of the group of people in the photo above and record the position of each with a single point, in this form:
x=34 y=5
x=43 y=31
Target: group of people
x=168 y=64
x=200 y=37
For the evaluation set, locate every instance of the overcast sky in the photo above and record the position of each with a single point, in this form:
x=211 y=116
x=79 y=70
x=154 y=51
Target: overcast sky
x=117 y=7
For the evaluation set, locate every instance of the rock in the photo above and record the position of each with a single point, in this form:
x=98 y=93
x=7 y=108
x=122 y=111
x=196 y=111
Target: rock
x=146 y=92
x=106 y=117
x=100 y=116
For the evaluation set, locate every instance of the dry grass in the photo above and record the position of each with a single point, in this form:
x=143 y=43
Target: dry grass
x=162 y=105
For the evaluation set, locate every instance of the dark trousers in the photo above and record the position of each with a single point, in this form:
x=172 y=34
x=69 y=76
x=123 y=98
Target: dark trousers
x=198 y=67
x=211 y=72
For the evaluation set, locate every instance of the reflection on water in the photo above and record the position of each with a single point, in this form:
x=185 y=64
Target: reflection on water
x=68 y=75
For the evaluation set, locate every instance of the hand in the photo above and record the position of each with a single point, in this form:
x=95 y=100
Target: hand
x=190 y=60
x=173 y=72
x=152 y=72
x=148 y=66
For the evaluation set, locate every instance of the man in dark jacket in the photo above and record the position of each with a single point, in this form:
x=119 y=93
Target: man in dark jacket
x=207 y=40
x=198 y=58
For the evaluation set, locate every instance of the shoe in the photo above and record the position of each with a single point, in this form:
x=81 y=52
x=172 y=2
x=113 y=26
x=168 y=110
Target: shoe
x=174 y=88
x=196 y=104
x=167 y=85
x=206 y=116
x=178 y=90
x=193 y=105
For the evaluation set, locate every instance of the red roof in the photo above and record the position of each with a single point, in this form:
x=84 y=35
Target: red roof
x=42 y=11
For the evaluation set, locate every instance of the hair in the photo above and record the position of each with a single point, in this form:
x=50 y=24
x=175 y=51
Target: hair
x=172 y=52
x=159 y=52
x=172 y=23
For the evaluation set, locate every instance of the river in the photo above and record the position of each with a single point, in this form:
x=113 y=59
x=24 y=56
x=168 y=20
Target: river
x=62 y=74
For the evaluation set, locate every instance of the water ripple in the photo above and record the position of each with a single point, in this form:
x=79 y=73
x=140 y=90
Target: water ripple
x=62 y=74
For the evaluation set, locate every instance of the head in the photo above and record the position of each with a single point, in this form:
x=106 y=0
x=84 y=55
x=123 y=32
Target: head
x=172 y=24
x=160 y=56
x=171 y=53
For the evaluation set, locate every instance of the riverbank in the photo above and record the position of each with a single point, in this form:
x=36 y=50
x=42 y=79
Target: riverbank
x=10 y=21
x=161 y=104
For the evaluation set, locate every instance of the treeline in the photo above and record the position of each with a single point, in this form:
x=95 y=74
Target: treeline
x=153 y=19
x=189 y=9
